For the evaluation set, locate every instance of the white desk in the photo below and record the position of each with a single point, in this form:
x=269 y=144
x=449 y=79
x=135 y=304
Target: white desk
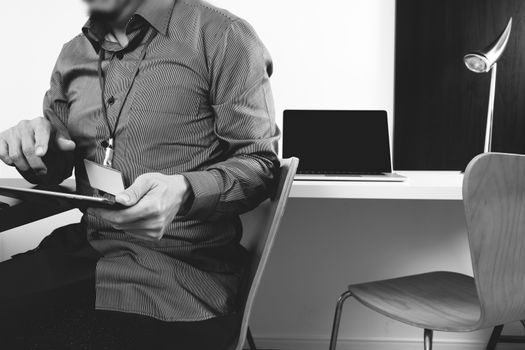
x=422 y=185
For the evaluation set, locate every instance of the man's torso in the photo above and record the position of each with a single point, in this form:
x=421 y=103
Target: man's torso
x=167 y=126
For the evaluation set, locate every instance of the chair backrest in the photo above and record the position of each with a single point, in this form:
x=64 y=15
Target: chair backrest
x=259 y=231
x=494 y=199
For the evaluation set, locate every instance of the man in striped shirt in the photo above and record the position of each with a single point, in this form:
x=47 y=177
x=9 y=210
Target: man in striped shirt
x=180 y=90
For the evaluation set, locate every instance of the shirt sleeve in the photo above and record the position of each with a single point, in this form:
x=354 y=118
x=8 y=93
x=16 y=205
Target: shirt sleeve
x=242 y=100
x=56 y=111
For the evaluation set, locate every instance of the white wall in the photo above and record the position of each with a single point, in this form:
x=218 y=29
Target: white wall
x=328 y=54
x=333 y=54
x=34 y=34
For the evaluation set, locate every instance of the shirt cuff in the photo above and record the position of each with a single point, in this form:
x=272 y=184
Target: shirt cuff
x=206 y=194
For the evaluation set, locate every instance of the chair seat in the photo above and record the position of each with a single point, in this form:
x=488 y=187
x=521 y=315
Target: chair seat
x=442 y=301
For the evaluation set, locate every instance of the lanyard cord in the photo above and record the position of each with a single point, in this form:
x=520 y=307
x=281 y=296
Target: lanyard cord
x=102 y=80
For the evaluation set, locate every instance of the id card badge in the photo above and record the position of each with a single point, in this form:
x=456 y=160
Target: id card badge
x=103 y=178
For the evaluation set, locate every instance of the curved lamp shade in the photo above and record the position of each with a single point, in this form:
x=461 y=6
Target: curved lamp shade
x=483 y=61
x=487 y=61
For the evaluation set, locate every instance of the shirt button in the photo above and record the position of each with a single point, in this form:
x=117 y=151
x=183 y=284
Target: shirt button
x=120 y=55
x=111 y=100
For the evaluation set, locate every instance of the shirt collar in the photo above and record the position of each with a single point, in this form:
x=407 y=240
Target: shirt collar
x=156 y=12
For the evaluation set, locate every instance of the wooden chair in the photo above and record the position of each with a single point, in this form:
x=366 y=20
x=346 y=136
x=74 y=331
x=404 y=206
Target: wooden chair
x=494 y=201
x=260 y=229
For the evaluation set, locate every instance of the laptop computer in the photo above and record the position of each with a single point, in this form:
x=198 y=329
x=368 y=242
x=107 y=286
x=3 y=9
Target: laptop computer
x=339 y=145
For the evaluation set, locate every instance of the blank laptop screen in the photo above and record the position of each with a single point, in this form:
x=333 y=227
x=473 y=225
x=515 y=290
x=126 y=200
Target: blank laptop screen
x=337 y=142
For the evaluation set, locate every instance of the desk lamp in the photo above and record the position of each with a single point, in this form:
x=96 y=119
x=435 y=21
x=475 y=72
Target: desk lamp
x=487 y=61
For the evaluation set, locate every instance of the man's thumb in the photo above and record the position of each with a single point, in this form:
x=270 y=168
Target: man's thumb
x=63 y=141
x=133 y=193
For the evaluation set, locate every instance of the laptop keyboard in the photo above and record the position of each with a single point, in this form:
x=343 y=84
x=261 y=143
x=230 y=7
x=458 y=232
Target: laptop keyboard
x=340 y=173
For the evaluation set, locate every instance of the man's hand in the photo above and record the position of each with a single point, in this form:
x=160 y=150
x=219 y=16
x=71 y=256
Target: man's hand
x=153 y=199
x=25 y=144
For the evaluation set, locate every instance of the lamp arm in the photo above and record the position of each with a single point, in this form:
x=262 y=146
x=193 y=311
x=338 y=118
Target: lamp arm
x=490 y=114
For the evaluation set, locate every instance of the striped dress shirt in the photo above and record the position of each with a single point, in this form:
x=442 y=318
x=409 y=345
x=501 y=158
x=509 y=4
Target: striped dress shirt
x=201 y=106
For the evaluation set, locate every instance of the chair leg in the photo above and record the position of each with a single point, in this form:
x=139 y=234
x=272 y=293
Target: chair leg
x=251 y=342
x=337 y=318
x=493 y=341
x=428 y=336
x=523 y=323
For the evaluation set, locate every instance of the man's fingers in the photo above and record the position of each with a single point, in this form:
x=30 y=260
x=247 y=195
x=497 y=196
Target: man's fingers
x=29 y=150
x=65 y=144
x=42 y=134
x=135 y=192
x=63 y=141
x=141 y=211
x=125 y=218
x=4 y=152
x=25 y=144
x=17 y=155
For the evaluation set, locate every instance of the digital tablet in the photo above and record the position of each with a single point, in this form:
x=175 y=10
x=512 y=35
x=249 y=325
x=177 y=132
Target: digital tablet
x=21 y=189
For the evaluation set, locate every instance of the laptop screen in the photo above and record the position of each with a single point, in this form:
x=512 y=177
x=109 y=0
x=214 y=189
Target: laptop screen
x=337 y=142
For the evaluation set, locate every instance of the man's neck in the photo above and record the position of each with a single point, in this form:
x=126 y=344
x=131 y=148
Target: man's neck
x=119 y=24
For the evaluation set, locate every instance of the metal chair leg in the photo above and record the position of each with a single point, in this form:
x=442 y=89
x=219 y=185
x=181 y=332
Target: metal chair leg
x=251 y=342
x=428 y=336
x=523 y=323
x=337 y=318
x=493 y=341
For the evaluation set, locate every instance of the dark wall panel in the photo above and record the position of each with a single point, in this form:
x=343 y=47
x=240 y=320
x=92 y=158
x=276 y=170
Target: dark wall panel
x=440 y=106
